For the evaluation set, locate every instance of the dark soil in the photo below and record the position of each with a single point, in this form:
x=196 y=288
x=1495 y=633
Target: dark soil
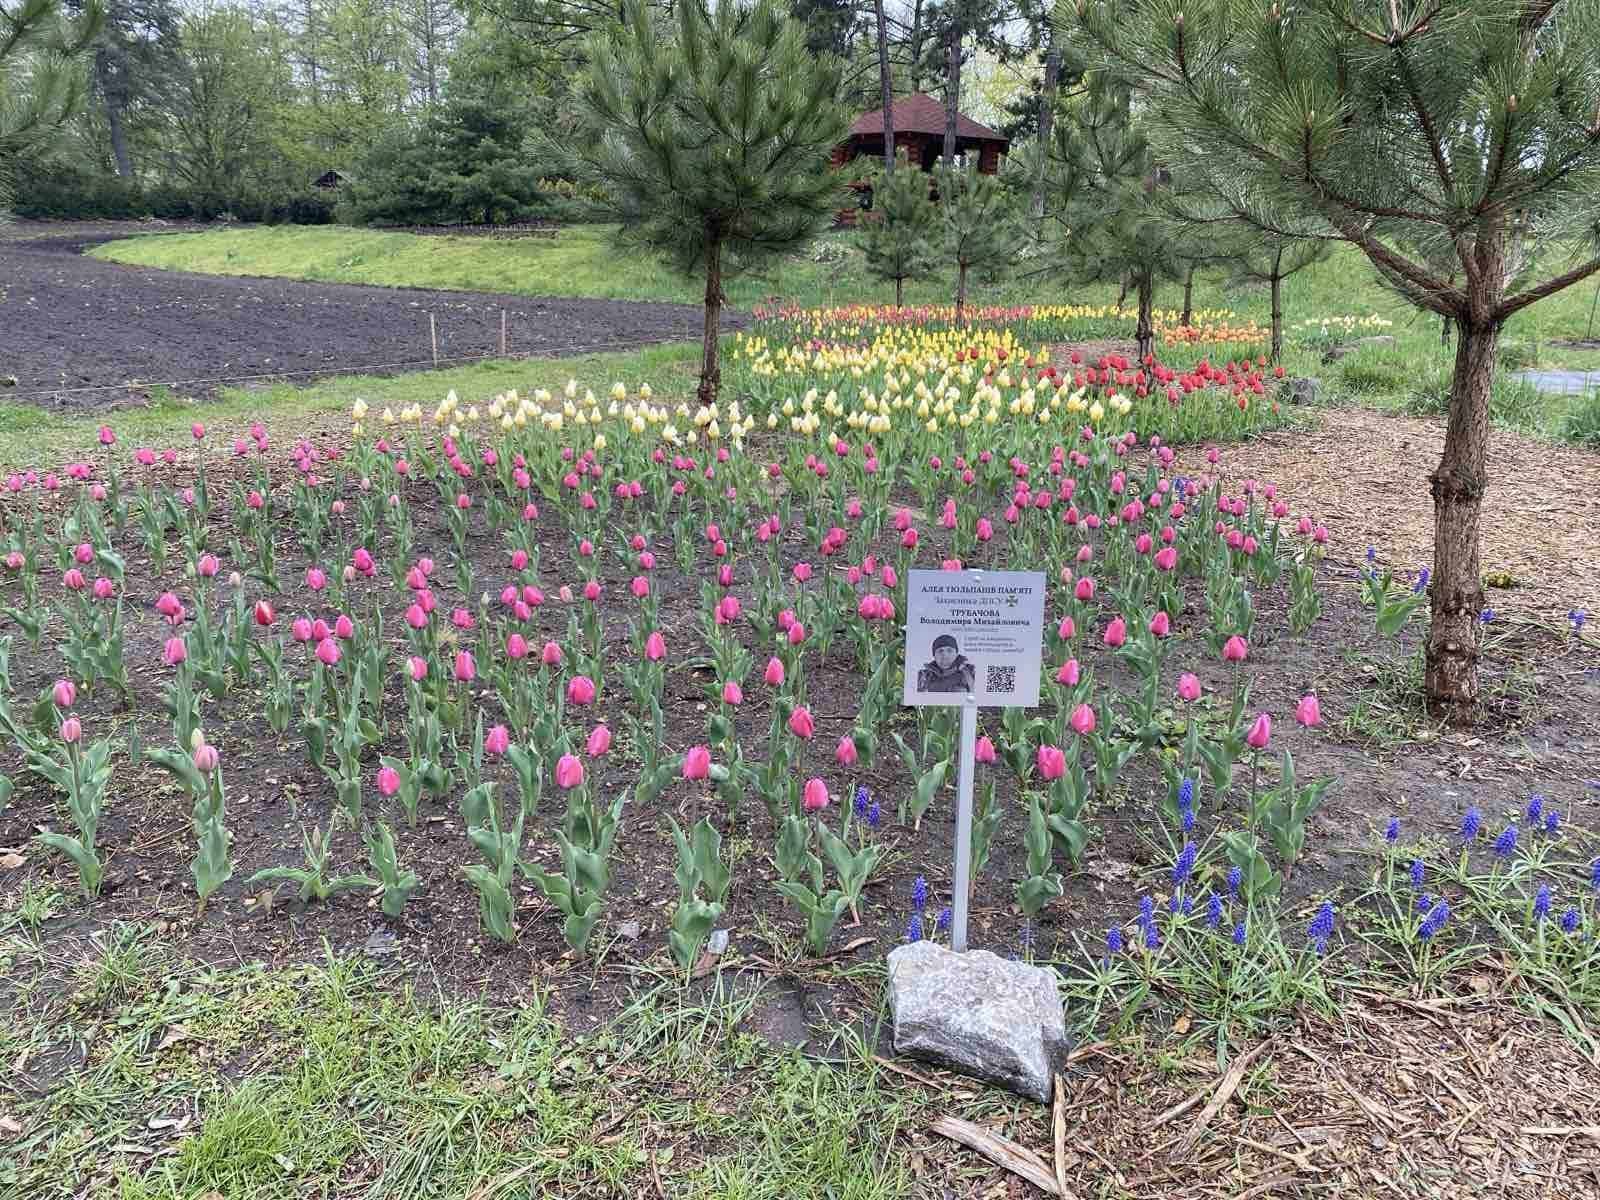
x=1541 y=734
x=86 y=335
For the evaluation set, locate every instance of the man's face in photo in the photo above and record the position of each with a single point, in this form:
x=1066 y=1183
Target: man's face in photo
x=945 y=656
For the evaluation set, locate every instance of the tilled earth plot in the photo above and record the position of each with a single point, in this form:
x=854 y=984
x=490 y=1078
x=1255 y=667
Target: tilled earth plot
x=80 y=333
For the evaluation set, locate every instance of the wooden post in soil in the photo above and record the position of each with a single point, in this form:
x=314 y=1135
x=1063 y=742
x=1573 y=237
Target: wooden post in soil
x=433 y=336
x=502 y=333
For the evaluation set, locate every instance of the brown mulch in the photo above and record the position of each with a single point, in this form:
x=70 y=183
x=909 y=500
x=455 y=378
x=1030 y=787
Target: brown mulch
x=1366 y=475
x=1441 y=1098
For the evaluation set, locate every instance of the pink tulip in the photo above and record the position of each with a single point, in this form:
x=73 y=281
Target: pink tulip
x=73 y=579
x=846 y=753
x=1260 y=733
x=1085 y=589
x=802 y=572
x=569 y=772
x=64 y=693
x=774 y=674
x=516 y=647
x=1235 y=649
x=550 y=655
x=1051 y=761
x=1116 y=633
x=206 y=758
x=466 y=666
x=71 y=730
x=418 y=668
x=83 y=553
x=697 y=762
x=344 y=628
x=497 y=741
x=1308 y=712
x=415 y=617
x=1082 y=719
x=316 y=579
x=655 y=647
x=1188 y=687
x=328 y=652
x=580 y=690
x=983 y=750
x=320 y=630
x=1161 y=624
x=599 y=741
x=388 y=781
x=591 y=591
x=1069 y=674
x=1066 y=630
x=175 y=651
x=362 y=561
x=264 y=614
x=640 y=587
x=1166 y=558
x=732 y=693
x=797 y=634
x=816 y=796
x=801 y=723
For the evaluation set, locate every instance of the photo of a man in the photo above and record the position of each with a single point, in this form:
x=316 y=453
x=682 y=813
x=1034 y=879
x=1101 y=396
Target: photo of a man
x=949 y=671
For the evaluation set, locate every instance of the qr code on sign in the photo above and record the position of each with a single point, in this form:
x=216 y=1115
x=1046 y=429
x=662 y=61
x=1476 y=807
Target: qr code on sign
x=1001 y=679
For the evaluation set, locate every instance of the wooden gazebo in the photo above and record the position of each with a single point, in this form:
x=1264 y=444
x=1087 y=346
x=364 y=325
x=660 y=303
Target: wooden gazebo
x=919 y=130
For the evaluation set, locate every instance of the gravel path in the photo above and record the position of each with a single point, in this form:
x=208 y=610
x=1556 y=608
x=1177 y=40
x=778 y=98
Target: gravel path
x=80 y=334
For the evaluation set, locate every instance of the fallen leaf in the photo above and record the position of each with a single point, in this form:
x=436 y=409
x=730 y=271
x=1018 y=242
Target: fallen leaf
x=1181 y=1025
x=10 y=860
x=10 y=1127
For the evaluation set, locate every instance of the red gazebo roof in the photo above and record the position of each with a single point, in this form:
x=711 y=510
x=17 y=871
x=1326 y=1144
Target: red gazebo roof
x=921 y=113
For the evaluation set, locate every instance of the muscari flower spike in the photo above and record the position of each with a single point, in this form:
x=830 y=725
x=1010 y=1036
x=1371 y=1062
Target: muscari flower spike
x=1235 y=877
x=1552 y=822
x=1541 y=902
x=1418 y=872
x=1239 y=934
x=1424 y=902
x=914 y=928
x=942 y=925
x=860 y=805
x=919 y=893
x=1321 y=928
x=1434 y=921
x=1421 y=583
x=1186 y=794
x=1470 y=824
x=1535 y=810
x=1152 y=937
x=1213 y=910
x=1506 y=843
x=1114 y=941
x=1187 y=820
x=1184 y=867
x=1392 y=833
x=1486 y=616
x=874 y=815
x=1147 y=912
x=1569 y=920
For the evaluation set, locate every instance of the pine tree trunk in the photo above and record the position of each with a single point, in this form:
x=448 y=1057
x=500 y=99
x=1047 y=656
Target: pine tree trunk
x=1144 y=333
x=1123 y=294
x=887 y=88
x=1188 y=297
x=899 y=293
x=114 y=93
x=710 y=368
x=1277 y=308
x=1444 y=331
x=1047 y=120
x=952 y=90
x=961 y=289
x=916 y=45
x=1458 y=486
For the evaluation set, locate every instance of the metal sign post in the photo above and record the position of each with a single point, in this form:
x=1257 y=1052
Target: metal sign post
x=980 y=638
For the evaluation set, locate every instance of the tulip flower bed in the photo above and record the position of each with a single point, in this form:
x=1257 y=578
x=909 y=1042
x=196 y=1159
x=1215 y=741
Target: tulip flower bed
x=872 y=370
x=534 y=675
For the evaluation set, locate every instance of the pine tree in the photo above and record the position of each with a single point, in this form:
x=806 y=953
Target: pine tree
x=41 y=87
x=1466 y=127
x=979 y=221
x=901 y=243
x=715 y=144
x=1107 y=193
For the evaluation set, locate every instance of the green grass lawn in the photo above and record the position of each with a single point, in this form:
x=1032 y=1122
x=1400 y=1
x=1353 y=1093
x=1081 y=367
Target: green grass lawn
x=1408 y=375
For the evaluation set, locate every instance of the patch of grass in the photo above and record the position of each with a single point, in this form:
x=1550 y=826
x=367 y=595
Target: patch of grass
x=1581 y=423
x=124 y=964
x=31 y=437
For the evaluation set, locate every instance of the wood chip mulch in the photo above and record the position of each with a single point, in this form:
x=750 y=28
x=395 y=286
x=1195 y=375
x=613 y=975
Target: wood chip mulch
x=1365 y=474
x=1446 y=1098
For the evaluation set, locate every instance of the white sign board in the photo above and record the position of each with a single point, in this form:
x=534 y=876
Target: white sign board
x=974 y=637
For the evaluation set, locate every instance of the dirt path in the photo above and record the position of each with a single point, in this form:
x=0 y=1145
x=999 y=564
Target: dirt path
x=1366 y=475
x=78 y=333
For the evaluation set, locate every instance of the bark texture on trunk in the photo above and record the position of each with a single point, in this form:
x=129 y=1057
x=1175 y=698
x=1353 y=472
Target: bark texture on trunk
x=1047 y=121
x=961 y=289
x=1277 y=307
x=886 y=88
x=710 y=365
x=1188 y=297
x=952 y=90
x=109 y=78
x=1144 y=333
x=1458 y=486
x=899 y=293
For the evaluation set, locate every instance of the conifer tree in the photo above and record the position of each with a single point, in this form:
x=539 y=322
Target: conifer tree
x=1417 y=129
x=715 y=142
x=901 y=242
x=41 y=87
x=979 y=223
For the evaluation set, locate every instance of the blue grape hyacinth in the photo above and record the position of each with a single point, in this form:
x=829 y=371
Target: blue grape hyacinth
x=1392 y=833
x=942 y=925
x=1506 y=844
x=1114 y=941
x=1541 y=902
x=1239 y=934
x=1147 y=912
x=1321 y=928
x=1235 y=878
x=1184 y=867
x=1213 y=910
x=914 y=928
x=1569 y=920
x=1552 y=822
x=1535 y=810
x=874 y=815
x=1471 y=824
x=1418 y=872
x=1434 y=921
x=861 y=802
x=919 y=893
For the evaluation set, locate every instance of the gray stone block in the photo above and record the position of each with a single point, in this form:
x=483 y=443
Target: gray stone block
x=979 y=1014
